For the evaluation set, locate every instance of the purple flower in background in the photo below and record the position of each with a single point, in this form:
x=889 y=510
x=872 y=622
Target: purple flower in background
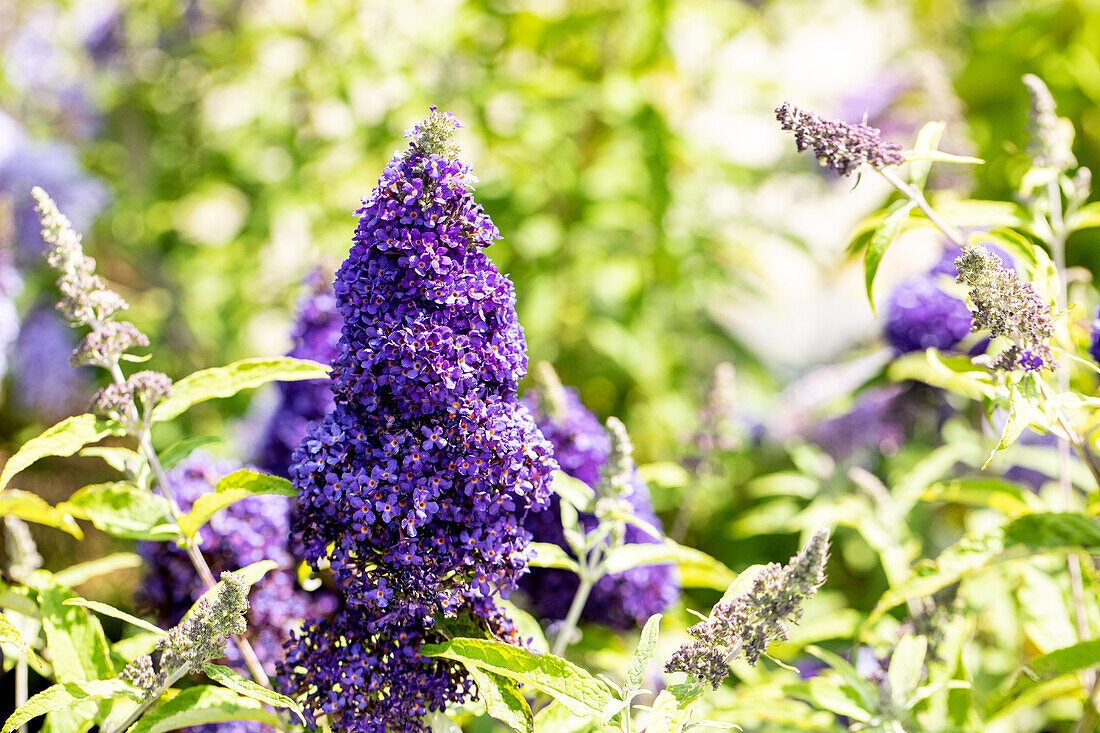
x=104 y=30
x=1094 y=342
x=414 y=488
x=45 y=387
x=248 y=531
x=301 y=404
x=25 y=163
x=581 y=448
x=878 y=422
x=920 y=315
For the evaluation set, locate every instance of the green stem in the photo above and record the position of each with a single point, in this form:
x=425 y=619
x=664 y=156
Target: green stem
x=1073 y=563
x=145 y=444
x=569 y=625
x=914 y=194
x=21 y=687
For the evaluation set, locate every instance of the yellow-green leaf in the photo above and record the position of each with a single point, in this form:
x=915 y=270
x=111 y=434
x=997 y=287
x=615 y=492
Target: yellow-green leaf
x=228 y=380
x=63 y=439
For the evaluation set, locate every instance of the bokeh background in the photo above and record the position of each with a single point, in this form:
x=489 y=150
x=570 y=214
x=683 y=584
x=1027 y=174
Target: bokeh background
x=656 y=221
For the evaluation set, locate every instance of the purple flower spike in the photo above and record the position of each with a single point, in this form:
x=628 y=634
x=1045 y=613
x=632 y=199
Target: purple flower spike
x=414 y=487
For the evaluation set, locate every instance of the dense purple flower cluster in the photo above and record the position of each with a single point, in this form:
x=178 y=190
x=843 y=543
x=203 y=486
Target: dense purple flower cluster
x=414 y=488
x=301 y=404
x=249 y=531
x=581 y=448
x=920 y=315
x=368 y=672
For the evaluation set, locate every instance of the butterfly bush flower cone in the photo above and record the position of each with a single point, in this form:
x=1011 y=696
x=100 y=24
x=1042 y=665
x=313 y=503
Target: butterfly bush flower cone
x=414 y=488
x=581 y=447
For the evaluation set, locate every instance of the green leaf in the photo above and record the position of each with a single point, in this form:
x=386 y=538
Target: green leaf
x=557 y=718
x=113 y=612
x=986 y=491
x=200 y=705
x=74 y=575
x=11 y=635
x=1069 y=659
x=562 y=680
x=228 y=380
x=928 y=142
x=673 y=708
x=65 y=695
x=643 y=655
x=439 y=722
x=234 y=681
x=123 y=510
x=864 y=691
x=827 y=694
x=1023 y=408
x=665 y=473
x=33 y=508
x=502 y=700
x=63 y=439
x=941 y=157
x=1054 y=530
x=697 y=569
x=881 y=240
x=1088 y=216
x=75 y=639
x=573 y=490
x=906 y=665
x=954 y=373
x=230 y=489
x=549 y=555
x=123 y=460
x=176 y=452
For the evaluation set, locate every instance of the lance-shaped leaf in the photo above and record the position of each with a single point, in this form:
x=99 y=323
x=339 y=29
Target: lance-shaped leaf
x=75 y=575
x=63 y=439
x=549 y=555
x=1068 y=659
x=176 y=452
x=1054 y=530
x=234 y=681
x=673 y=708
x=502 y=700
x=33 y=508
x=11 y=635
x=200 y=705
x=881 y=240
x=562 y=680
x=573 y=490
x=123 y=510
x=106 y=610
x=697 y=569
x=643 y=655
x=230 y=489
x=228 y=380
x=65 y=695
x=75 y=639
